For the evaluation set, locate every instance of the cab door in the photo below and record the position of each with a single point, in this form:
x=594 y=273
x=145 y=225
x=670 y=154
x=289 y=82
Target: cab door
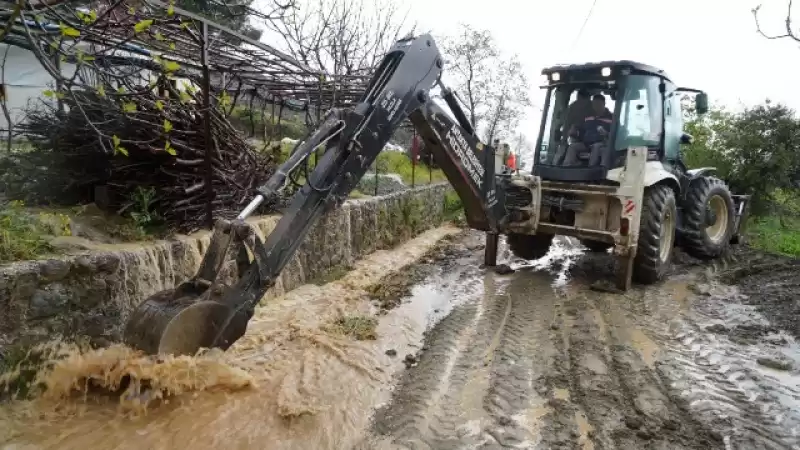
x=673 y=124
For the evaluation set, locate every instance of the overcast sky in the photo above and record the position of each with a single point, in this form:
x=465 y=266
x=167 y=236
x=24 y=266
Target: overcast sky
x=705 y=44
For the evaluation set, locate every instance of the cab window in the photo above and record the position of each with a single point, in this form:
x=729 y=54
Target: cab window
x=640 y=113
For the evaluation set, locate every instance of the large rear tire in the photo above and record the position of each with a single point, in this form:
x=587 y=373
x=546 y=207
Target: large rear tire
x=529 y=247
x=656 y=234
x=709 y=218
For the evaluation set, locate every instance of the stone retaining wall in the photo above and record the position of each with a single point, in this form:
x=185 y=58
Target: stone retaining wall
x=91 y=294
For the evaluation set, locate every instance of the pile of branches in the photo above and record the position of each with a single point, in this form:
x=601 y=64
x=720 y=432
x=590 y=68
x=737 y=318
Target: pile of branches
x=144 y=142
x=120 y=120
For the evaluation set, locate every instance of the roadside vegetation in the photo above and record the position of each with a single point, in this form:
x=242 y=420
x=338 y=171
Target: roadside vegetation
x=756 y=152
x=30 y=222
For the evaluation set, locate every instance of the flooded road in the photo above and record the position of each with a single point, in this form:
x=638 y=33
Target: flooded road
x=463 y=358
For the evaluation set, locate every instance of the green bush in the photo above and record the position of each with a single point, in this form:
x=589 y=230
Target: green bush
x=775 y=235
x=24 y=235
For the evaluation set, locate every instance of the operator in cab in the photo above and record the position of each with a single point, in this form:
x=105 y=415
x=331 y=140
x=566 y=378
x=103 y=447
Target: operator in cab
x=591 y=134
x=577 y=112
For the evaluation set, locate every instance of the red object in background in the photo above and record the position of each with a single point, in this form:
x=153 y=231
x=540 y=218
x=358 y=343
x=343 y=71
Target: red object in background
x=414 y=149
x=512 y=161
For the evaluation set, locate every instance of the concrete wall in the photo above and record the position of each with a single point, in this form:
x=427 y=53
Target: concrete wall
x=92 y=294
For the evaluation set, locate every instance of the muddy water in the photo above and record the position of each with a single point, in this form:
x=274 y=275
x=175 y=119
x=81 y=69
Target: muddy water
x=287 y=384
x=533 y=359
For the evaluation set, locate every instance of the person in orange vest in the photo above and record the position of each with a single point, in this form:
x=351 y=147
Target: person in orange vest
x=512 y=159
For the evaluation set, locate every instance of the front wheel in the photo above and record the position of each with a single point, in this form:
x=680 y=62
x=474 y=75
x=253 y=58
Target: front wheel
x=709 y=218
x=656 y=234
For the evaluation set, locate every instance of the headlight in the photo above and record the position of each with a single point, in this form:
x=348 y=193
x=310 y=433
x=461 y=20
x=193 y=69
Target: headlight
x=555 y=76
x=606 y=72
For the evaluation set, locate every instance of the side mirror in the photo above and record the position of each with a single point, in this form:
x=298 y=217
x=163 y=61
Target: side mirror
x=686 y=139
x=701 y=103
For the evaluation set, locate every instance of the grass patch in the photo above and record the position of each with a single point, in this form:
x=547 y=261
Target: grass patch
x=24 y=235
x=400 y=163
x=361 y=328
x=774 y=235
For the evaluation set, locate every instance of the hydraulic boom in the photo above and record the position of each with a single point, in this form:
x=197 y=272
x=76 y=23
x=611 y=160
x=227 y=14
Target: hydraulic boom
x=204 y=312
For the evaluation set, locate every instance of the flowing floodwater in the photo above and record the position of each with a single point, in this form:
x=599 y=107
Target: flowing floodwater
x=464 y=359
x=286 y=384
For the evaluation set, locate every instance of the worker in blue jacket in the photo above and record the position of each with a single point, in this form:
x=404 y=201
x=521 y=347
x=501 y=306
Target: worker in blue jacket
x=591 y=134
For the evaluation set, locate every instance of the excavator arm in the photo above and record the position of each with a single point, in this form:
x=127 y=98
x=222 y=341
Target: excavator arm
x=205 y=312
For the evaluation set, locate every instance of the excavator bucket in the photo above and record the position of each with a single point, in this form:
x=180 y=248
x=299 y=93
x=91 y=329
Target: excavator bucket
x=201 y=312
x=163 y=324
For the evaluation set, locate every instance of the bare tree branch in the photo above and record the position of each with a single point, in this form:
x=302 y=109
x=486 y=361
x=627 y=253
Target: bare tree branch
x=790 y=33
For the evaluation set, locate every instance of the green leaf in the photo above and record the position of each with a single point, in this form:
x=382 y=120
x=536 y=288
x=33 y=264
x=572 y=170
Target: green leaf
x=101 y=91
x=171 y=66
x=49 y=94
x=159 y=105
x=167 y=126
x=129 y=107
x=115 y=140
x=172 y=46
x=121 y=150
x=142 y=25
x=131 y=10
x=121 y=90
x=168 y=148
x=159 y=36
x=170 y=10
x=185 y=97
x=224 y=99
x=68 y=31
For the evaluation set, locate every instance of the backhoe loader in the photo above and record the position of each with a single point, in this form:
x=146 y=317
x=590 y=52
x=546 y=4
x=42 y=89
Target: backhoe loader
x=635 y=201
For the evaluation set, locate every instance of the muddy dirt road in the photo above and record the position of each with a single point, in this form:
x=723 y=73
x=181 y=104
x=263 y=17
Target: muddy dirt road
x=470 y=359
x=528 y=362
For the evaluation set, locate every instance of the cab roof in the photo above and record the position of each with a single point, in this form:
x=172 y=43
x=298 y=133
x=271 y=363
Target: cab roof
x=620 y=64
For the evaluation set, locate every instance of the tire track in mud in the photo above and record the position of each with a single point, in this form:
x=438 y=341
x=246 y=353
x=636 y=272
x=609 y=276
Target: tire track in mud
x=709 y=344
x=525 y=362
x=646 y=413
x=710 y=361
x=482 y=393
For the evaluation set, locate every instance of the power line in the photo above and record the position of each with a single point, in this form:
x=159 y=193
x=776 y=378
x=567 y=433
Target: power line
x=585 y=21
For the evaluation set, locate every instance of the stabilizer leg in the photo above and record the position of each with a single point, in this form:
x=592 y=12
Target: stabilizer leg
x=490 y=251
x=624 y=272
